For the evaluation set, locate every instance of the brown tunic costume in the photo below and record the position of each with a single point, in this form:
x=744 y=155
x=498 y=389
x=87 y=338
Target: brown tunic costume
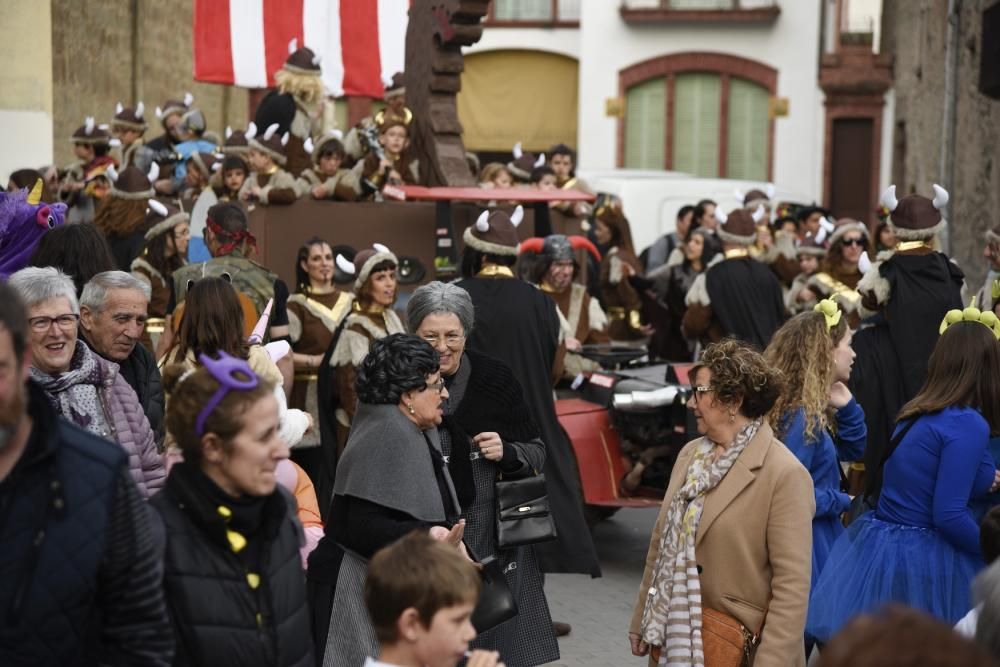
x=159 y=299
x=277 y=187
x=312 y=321
x=587 y=323
x=360 y=329
x=620 y=298
x=342 y=186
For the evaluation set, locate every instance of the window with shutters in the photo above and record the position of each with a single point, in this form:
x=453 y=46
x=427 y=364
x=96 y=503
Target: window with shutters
x=645 y=125
x=564 y=13
x=706 y=114
x=697 y=111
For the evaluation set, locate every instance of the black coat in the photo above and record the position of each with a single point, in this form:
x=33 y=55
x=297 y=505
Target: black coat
x=518 y=324
x=219 y=619
x=79 y=555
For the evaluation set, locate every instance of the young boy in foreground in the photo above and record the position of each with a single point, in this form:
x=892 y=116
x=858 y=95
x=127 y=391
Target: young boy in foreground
x=420 y=594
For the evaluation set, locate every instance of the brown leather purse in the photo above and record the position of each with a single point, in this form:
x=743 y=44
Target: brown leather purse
x=725 y=641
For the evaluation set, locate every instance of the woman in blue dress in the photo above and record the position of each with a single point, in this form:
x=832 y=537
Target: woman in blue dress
x=816 y=416
x=920 y=546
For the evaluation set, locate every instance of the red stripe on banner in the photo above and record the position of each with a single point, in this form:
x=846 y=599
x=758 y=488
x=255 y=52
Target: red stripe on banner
x=213 y=56
x=359 y=48
x=282 y=24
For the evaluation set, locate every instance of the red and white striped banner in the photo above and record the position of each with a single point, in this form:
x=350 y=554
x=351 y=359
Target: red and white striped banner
x=361 y=43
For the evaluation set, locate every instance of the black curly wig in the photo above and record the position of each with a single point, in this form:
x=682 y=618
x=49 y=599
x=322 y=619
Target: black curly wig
x=395 y=365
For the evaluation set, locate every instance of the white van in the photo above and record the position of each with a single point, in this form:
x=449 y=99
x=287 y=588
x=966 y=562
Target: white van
x=651 y=198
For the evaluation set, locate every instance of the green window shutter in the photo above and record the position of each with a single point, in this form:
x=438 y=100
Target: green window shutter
x=522 y=10
x=747 y=150
x=646 y=125
x=697 y=110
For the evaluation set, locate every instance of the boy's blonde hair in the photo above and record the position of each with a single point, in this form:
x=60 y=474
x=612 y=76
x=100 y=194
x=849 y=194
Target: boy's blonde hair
x=420 y=572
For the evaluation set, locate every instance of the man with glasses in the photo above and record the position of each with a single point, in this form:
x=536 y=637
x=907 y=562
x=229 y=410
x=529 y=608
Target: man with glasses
x=113 y=313
x=78 y=544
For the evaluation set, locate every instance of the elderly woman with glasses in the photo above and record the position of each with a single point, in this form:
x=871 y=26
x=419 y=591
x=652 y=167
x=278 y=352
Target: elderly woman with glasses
x=733 y=539
x=487 y=434
x=391 y=479
x=84 y=387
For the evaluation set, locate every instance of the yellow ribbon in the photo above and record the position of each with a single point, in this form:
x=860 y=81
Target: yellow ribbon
x=972 y=314
x=831 y=312
x=996 y=289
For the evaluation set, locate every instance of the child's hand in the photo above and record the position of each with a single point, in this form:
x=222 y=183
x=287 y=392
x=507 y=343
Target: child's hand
x=482 y=658
x=319 y=192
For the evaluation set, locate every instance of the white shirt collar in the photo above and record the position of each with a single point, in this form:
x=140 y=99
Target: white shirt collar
x=372 y=662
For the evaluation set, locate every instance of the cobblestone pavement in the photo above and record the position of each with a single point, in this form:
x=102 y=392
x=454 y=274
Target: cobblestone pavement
x=600 y=609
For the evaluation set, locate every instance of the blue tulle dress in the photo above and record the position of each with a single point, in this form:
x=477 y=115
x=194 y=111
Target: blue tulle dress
x=920 y=547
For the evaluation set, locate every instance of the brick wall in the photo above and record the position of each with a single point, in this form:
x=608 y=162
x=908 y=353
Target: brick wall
x=93 y=60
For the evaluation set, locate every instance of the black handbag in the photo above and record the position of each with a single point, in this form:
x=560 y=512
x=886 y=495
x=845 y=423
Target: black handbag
x=496 y=601
x=523 y=512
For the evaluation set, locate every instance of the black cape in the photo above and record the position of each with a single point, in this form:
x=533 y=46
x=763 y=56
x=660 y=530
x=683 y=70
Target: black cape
x=517 y=323
x=275 y=108
x=746 y=299
x=894 y=346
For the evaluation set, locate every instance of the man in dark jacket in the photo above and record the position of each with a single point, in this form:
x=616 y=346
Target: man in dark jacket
x=113 y=309
x=80 y=567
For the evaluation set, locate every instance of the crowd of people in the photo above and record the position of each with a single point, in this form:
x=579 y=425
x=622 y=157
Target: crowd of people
x=200 y=465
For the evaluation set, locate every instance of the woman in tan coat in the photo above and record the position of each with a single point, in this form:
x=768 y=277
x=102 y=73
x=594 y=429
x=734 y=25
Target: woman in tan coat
x=734 y=534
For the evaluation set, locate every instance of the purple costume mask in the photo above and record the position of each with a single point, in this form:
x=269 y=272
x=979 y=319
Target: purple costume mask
x=232 y=374
x=24 y=219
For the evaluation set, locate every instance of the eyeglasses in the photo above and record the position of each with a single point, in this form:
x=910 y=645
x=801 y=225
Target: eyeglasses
x=700 y=390
x=42 y=324
x=436 y=386
x=452 y=340
x=856 y=242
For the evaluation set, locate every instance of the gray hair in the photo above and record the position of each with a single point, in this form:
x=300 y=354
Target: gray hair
x=437 y=297
x=37 y=284
x=95 y=292
x=986 y=592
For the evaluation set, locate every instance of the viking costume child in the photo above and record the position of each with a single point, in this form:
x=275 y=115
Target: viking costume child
x=342 y=185
x=171 y=109
x=738 y=296
x=395 y=105
x=773 y=247
x=91 y=144
x=801 y=296
x=522 y=164
x=269 y=183
x=128 y=121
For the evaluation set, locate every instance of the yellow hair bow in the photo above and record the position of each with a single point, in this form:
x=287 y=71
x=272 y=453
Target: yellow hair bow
x=972 y=314
x=996 y=289
x=831 y=312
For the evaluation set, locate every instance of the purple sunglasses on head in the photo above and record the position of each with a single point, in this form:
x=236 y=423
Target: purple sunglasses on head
x=232 y=374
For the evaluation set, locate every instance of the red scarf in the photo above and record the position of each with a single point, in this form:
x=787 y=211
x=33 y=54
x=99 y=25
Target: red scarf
x=236 y=238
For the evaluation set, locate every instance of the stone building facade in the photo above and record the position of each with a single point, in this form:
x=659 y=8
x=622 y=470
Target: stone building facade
x=915 y=32
x=105 y=51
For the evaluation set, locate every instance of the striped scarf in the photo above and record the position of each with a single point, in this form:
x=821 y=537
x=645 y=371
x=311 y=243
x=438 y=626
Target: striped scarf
x=672 y=617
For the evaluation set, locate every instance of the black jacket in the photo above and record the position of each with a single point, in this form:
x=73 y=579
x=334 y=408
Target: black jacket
x=219 y=619
x=80 y=564
x=142 y=374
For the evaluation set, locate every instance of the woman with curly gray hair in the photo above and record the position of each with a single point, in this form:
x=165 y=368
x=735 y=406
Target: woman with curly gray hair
x=391 y=480
x=732 y=545
x=487 y=434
